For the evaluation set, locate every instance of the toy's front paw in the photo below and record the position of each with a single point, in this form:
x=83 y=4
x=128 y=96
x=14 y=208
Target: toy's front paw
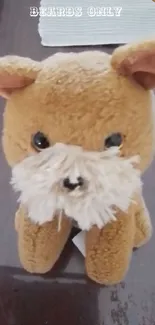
x=108 y=251
x=143 y=223
x=40 y=246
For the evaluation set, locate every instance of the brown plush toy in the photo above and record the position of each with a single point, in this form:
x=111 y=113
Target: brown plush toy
x=78 y=134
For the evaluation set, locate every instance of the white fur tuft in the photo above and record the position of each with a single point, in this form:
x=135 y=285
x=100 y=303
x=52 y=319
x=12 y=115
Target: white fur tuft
x=110 y=183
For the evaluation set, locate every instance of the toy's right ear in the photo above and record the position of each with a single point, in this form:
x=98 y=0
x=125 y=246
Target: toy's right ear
x=16 y=72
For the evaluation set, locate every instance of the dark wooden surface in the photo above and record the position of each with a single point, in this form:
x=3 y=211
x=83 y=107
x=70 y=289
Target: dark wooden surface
x=65 y=296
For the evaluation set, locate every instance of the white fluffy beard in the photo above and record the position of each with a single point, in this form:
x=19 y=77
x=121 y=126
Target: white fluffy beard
x=110 y=184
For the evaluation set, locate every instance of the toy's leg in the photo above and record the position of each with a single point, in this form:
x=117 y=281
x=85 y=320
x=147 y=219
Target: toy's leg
x=108 y=251
x=40 y=246
x=143 y=224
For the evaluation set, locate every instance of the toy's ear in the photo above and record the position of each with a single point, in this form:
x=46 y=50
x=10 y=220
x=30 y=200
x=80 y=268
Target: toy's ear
x=136 y=61
x=16 y=72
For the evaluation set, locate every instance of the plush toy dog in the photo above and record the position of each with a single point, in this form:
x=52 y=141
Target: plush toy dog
x=78 y=134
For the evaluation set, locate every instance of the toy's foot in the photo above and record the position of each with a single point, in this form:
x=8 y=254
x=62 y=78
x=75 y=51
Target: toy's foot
x=40 y=246
x=108 y=251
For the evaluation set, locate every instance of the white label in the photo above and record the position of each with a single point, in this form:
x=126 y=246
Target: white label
x=79 y=242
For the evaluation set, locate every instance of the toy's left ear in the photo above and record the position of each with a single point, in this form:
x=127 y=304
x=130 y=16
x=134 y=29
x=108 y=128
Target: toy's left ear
x=16 y=72
x=136 y=61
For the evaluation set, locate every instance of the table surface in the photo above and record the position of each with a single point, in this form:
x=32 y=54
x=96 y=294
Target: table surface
x=65 y=294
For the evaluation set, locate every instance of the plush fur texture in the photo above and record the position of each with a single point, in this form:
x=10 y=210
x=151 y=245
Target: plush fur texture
x=77 y=100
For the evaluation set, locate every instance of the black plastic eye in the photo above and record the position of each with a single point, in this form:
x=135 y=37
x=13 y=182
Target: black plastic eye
x=113 y=140
x=40 y=141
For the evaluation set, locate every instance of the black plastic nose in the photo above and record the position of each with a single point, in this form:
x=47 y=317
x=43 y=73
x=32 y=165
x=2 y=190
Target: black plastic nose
x=72 y=186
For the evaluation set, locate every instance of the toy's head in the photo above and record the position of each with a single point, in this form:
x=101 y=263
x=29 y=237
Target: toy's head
x=71 y=124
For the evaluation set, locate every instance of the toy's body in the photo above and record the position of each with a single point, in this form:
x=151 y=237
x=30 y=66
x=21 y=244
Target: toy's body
x=59 y=113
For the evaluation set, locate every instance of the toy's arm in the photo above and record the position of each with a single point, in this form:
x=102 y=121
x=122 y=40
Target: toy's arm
x=108 y=250
x=40 y=246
